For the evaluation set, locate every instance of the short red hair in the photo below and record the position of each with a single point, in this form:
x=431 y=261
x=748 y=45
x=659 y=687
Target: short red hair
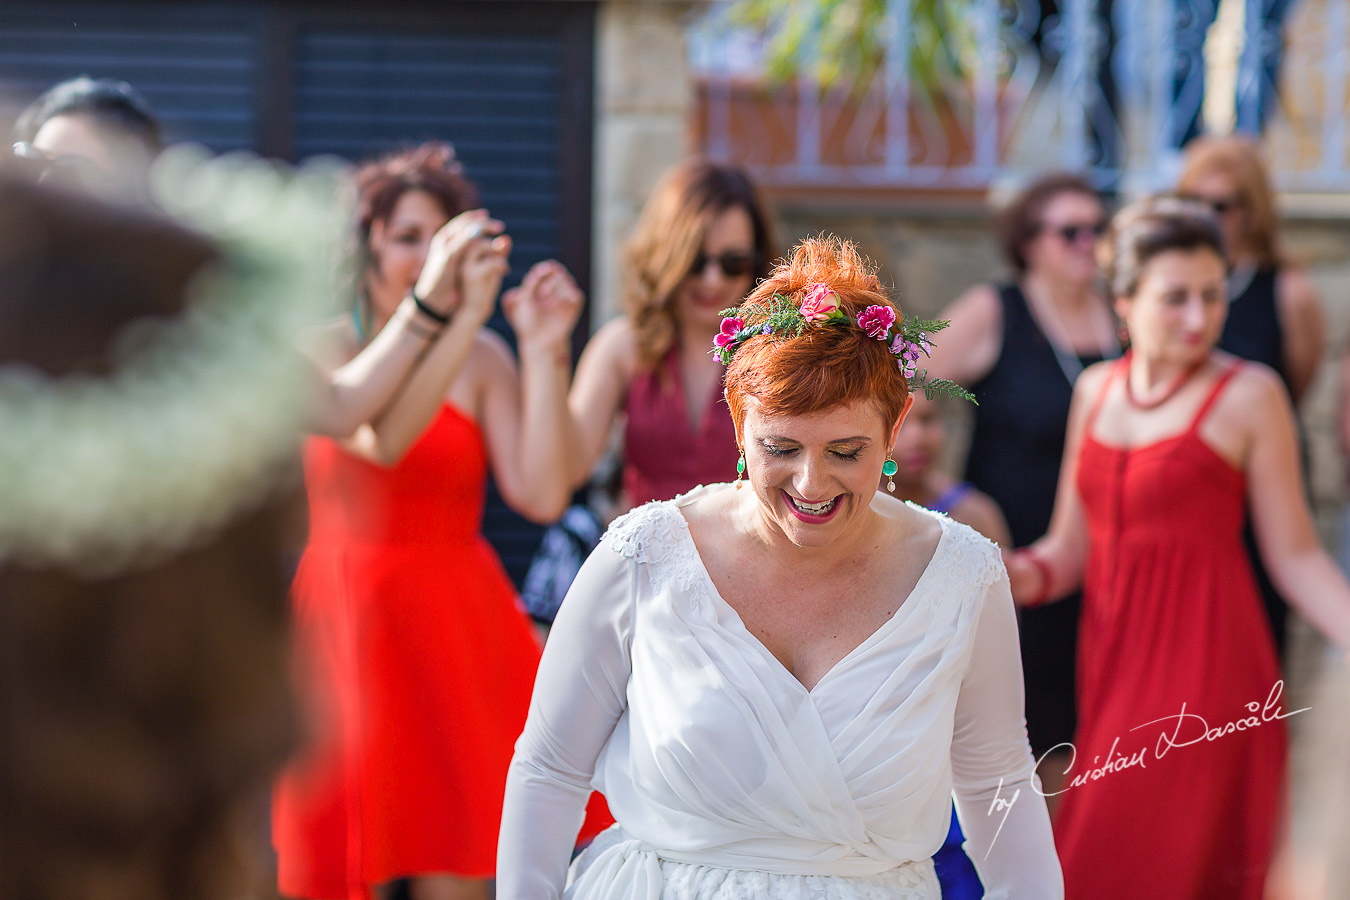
x=826 y=365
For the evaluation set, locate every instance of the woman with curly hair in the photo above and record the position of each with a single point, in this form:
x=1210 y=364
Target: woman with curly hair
x=418 y=655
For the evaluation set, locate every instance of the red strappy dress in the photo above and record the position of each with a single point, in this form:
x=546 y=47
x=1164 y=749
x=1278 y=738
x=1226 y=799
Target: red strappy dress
x=1175 y=790
x=420 y=665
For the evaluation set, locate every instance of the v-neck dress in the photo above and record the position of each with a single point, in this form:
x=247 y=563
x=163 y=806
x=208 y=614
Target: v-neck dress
x=664 y=453
x=729 y=779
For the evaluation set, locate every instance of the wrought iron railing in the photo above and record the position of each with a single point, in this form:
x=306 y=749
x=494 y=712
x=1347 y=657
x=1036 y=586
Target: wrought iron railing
x=1109 y=87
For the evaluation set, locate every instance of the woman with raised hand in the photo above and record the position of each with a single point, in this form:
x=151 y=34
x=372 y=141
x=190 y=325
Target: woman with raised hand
x=778 y=685
x=703 y=240
x=411 y=637
x=1175 y=779
x=1031 y=337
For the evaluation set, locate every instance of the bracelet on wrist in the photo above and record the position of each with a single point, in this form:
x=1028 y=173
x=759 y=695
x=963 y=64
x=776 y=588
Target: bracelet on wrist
x=1042 y=567
x=417 y=329
x=439 y=318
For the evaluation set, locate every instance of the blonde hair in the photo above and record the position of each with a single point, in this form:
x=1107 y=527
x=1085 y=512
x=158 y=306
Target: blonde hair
x=1238 y=158
x=668 y=239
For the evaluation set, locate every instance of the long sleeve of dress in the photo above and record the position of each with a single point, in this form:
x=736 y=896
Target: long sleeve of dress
x=579 y=695
x=998 y=797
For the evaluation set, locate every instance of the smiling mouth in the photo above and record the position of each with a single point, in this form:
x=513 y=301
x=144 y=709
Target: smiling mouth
x=813 y=509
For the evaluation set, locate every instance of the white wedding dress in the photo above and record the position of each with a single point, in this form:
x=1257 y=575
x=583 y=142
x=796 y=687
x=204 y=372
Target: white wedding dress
x=731 y=781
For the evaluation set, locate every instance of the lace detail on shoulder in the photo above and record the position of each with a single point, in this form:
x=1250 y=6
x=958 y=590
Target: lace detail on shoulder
x=657 y=535
x=631 y=533
x=970 y=559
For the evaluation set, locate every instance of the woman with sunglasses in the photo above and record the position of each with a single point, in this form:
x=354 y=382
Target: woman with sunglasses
x=1274 y=316
x=703 y=240
x=1031 y=337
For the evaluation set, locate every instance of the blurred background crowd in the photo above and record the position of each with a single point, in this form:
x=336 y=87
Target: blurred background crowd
x=551 y=204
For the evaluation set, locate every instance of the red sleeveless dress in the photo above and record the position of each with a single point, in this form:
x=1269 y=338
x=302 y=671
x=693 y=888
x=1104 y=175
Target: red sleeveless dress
x=419 y=664
x=1175 y=789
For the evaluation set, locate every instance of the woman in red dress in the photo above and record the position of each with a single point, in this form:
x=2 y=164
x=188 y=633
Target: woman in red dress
x=421 y=662
x=1174 y=786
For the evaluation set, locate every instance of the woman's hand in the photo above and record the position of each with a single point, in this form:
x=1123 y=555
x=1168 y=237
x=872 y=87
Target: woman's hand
x=485 y=264
x=438 y=284
x=1026 y=579
x=543 y=311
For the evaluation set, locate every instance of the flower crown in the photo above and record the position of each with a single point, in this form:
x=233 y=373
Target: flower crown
x=904 y=338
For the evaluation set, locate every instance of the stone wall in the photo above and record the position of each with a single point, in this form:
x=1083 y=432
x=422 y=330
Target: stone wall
x=643 y=104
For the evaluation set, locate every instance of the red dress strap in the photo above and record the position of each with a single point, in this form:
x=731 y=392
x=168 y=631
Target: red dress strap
x=1219 y=384
x=1116 y=368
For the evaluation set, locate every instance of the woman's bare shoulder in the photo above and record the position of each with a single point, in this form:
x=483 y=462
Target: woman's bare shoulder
x=1253 y=382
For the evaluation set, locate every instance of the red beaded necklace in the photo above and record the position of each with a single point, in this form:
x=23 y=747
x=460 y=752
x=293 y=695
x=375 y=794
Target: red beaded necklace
x=1177 y=384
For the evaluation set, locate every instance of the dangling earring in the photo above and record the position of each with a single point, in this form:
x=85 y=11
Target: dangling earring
x=740 y=469
x=889 y=468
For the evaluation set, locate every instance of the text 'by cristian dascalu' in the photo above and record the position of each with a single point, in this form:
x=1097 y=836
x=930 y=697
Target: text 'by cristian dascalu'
x=1184 y=729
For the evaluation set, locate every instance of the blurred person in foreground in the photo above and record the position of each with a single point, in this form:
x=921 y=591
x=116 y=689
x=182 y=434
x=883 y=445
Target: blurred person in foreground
x=703 y=240
x=1031 y=337
x=417 y=658
x=760 y=725
x=97 y=133
x=151 y=403
x=1178 y=767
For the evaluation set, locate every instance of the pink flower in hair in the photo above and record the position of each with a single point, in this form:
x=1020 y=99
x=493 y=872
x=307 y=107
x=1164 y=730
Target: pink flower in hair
x=877 y=321
x=821 y=303
x=727 y=336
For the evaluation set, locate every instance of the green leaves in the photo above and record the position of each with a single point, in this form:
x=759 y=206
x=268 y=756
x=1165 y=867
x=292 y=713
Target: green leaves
x=848 y=40
x=940 y=387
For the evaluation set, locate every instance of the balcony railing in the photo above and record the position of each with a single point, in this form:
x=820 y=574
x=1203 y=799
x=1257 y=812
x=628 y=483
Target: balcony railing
x=1109 y=87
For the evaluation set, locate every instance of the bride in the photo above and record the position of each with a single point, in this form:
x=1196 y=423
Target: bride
x=779 y=685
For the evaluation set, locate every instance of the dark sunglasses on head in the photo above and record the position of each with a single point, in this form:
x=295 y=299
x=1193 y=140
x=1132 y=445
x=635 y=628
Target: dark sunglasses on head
x=1072 y=234
x=734 y=263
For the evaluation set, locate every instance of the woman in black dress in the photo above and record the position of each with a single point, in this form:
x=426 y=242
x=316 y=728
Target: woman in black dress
x=1019 y=347
x=1274 y=315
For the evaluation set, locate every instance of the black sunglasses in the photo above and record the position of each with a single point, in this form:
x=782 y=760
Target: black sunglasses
x=1072 y=234
x=733 y=263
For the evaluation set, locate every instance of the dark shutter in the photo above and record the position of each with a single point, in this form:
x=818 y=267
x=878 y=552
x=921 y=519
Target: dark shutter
x=194 y=65
x=509 y=84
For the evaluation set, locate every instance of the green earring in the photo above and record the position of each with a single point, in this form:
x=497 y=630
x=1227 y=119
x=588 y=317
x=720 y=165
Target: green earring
x=889 y=468
x=740 y=468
